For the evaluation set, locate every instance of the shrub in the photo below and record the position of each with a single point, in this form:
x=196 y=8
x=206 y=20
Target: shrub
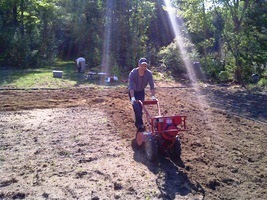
x=223 y=76
x=171 y=57
x=263 y=83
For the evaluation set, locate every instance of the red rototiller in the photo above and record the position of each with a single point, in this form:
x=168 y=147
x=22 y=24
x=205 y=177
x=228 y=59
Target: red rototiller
x=162 y=134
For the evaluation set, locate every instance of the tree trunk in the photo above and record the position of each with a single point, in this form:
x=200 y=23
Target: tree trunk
x=22 y=17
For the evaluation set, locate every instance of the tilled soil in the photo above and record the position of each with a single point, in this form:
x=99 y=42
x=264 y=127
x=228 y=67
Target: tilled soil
x=78 y=143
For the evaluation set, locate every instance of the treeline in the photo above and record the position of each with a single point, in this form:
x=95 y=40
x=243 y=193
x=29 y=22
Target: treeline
x=225 y=35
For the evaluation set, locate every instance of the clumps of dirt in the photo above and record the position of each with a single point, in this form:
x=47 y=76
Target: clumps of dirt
x=79 y=144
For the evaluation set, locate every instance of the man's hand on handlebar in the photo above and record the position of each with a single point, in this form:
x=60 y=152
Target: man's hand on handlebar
x=153 y=98
x=133 y=100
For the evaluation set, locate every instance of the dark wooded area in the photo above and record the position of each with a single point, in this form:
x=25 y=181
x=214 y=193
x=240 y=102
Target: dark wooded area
x=228 y=38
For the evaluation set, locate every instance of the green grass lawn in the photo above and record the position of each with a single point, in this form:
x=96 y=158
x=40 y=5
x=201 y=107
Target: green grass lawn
x=43 y=77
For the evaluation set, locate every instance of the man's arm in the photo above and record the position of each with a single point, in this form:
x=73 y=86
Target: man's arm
x=131 y=93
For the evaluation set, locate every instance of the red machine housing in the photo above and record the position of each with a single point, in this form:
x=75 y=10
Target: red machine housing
x=164 y=128
x=168 y=127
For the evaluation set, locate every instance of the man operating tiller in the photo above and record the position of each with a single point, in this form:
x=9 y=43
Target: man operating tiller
x=139 y=78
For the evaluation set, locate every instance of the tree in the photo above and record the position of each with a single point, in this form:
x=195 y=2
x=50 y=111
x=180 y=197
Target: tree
x=256 y=32
x=203 y=31
x=29 y=30
x=234 y=13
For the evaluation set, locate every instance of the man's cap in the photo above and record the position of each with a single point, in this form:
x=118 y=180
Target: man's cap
x=142 y=61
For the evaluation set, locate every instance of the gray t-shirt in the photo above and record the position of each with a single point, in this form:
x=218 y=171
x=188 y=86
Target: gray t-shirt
x=138 y=83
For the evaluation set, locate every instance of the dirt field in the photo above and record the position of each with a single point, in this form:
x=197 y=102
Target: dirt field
x=78 y=144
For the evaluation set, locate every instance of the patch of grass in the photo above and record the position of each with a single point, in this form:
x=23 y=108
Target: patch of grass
x=261 y=86
x=263 y=83
x=39 y=80
x=43 y=77
x=161 y=76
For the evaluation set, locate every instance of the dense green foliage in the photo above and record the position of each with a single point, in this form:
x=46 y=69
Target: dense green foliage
x=225 y=35
x=230 y=35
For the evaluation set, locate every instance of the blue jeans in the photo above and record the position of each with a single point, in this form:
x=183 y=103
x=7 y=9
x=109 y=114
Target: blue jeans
x=139 y=95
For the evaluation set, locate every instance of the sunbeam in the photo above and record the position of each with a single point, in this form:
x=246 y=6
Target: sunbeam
x=105 y=64
x=187 y=62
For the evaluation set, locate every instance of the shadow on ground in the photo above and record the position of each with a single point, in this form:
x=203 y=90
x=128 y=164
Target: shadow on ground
x=238 y=102
x=172 y=179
